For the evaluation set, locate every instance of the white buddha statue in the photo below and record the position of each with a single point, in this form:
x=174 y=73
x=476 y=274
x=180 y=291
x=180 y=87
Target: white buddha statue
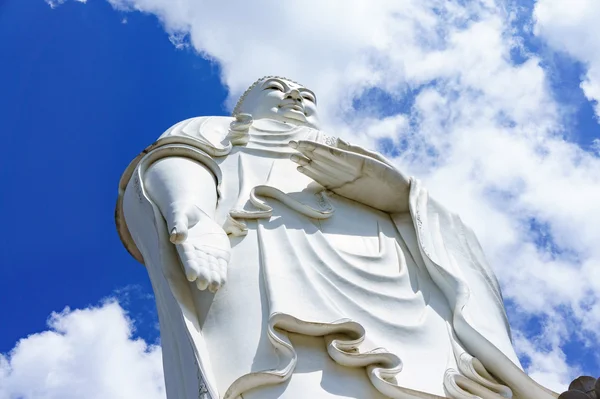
x=287 y=263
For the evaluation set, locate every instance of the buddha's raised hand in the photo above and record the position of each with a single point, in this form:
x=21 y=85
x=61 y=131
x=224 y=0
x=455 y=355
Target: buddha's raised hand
x=354 y=173
x=202 y=245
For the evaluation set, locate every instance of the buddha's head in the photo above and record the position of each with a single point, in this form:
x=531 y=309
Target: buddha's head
x=278 y=98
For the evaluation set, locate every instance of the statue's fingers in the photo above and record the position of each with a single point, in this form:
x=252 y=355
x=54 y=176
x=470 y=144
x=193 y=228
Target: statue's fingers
x=203 y=277
x=303 y=145
x=344 y=145
x=223 y=270
x=215 y=278
x=338 y=157
x=202 y=284
x=324 y=167
x=299 y=159
x=178 y=228
x=318 y=176
x=191 y=269
x=337 y=173
x=333 y=156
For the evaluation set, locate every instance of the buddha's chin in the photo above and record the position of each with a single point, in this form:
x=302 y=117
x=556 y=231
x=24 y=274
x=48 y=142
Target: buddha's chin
x=290 y=116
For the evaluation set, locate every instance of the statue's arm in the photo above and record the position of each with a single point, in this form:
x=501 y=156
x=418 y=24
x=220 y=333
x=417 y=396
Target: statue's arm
x=176 y=184
x=185 y=191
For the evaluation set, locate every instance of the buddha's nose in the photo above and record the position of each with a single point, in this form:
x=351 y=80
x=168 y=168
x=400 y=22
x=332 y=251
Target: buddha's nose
x=295 y=94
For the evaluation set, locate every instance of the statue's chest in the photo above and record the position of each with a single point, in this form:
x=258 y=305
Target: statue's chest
x=349 y=226
x=264 y=161
x=246 y=170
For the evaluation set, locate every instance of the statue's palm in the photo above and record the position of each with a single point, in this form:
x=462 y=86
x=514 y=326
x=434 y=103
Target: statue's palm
x=202 y=245
x=354 y=173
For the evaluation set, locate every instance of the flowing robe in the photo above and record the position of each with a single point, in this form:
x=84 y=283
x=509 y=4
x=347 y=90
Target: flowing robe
x=320 y=288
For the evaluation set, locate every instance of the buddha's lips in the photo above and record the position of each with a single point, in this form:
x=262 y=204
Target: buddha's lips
x=294 y=107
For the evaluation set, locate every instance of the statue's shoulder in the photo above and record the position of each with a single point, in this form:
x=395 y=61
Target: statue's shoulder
x=208 y=132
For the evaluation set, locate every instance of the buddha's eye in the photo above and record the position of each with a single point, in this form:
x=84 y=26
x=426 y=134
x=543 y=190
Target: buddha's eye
x=309 y=97
x=274 y=87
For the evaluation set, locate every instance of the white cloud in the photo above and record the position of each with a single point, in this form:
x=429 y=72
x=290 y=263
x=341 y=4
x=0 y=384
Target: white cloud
x=85 y=353
x=572 y=27
x=56 y=3
x=484 y=132
x=596 y=146
x=549 y=368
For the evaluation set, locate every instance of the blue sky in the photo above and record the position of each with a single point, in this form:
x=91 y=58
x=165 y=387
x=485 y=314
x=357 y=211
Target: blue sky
x=85 y=87
x=82 y=93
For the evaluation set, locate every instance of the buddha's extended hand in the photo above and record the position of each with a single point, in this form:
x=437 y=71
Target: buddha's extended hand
x=354 y=173
x=203 y=246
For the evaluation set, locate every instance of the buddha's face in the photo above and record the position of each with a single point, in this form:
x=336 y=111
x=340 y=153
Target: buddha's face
x=282 y=100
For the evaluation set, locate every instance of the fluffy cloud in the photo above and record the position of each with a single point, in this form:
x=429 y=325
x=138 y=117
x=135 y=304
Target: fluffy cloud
x=88 y=353
x=481 y=129
x=549 y=367
x=56 y=3
x=572 y=27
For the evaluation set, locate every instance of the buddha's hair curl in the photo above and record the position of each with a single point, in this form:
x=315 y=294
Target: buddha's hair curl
x=236 y=110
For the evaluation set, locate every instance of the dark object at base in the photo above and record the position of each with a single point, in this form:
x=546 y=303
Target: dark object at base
x=584 y=387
